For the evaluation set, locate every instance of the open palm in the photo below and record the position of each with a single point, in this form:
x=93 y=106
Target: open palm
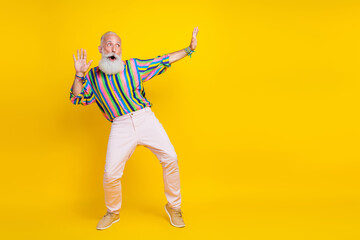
x=80 y=64
x=193 y=38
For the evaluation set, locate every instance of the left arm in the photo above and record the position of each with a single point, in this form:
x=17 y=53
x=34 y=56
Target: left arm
x=149 y=68
x=175 y=56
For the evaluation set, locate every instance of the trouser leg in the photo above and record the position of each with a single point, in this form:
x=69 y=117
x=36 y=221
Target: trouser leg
x=121 y=145
x=154 y=137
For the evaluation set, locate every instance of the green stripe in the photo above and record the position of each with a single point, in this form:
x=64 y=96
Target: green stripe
x=133 y=92
x=129 y=100
x=109 y=93
x=102 y=99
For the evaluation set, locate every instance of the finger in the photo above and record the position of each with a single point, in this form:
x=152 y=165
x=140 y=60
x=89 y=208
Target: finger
x=78 y=53
x=74 y=58
x=89 y=63
x=82 y=53
x=85 y=54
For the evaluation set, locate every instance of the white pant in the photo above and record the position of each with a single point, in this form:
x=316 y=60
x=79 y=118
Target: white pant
x=139 y=128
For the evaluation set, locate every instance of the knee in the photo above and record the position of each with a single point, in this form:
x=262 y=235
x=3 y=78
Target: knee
x=112 y=177
x=169 y=158
x=172 y=155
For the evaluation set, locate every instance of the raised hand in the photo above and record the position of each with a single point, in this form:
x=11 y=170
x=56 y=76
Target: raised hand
x=80 y=65
x=193 y=39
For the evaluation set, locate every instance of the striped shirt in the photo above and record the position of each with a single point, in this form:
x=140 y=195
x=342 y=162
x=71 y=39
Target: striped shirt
x=121 y=93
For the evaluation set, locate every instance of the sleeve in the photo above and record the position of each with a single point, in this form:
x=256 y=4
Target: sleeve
x=149 y=68
x=86 y=96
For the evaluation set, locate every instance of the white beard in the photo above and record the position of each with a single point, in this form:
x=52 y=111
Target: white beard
x=111 y=66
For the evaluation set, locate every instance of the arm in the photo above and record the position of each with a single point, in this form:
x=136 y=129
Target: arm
x=86 y=95
x=80 y=68
x=175 y=56
x=77 y=85
x=149 y=68
x=81 y=92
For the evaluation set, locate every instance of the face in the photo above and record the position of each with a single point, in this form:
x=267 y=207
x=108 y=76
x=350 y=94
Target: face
x=111 y=44
x=111 y=62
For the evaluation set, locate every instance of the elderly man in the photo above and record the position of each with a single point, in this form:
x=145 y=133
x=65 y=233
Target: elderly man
x=117 y=88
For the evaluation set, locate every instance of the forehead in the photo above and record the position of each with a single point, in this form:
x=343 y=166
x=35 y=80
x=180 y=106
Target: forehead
x=112 y=38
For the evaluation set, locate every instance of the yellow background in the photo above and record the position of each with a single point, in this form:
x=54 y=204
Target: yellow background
x=264 y=118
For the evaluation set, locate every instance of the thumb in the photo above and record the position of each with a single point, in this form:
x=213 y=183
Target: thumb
x=89 y=63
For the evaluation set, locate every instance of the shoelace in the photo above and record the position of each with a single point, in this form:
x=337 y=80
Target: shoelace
x=108 y=213
x=178 y=212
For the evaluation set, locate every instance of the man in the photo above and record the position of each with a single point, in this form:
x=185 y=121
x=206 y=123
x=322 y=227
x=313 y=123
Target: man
x=116 y=86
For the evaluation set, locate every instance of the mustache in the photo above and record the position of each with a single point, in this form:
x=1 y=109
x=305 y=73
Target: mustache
x=111 y=55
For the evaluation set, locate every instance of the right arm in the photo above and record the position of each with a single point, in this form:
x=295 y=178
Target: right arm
x=81 y=92
x=78 y=84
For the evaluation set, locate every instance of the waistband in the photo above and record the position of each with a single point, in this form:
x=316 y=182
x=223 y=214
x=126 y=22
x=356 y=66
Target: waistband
x=132 y=114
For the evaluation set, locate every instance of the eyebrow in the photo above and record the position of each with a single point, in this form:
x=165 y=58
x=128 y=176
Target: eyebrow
x=111 y=41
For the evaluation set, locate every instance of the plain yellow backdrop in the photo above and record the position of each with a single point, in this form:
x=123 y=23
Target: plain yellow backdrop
x=264 y=118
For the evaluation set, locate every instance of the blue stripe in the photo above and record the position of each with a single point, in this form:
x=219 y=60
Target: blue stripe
x=142 y=89
x=124 y=97
x=100 y=106
x=103 y=79
x=102 y=102
x=134 y=89
x=152 y=66
x=93 y=83
x=120 y=98
x=111 y=95
x=130 y=83
x=156 y=73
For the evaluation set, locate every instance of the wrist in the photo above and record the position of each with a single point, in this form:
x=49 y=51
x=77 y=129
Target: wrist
x=80 y=74
x=189 y=51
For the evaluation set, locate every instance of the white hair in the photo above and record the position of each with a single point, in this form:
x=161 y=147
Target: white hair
x=108 y=66
x=103 y=36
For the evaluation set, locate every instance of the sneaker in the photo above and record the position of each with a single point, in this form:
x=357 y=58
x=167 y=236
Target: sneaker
x=107 y=220
x=175 y=216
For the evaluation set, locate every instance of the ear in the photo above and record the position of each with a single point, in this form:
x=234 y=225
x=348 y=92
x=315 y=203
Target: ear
x=100 y=48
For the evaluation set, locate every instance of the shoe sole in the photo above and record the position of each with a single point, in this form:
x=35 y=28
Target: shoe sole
x=109 y=225
x=171 y=221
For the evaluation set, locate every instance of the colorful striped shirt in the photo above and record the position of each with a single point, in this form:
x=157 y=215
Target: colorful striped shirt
x=121 y=93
